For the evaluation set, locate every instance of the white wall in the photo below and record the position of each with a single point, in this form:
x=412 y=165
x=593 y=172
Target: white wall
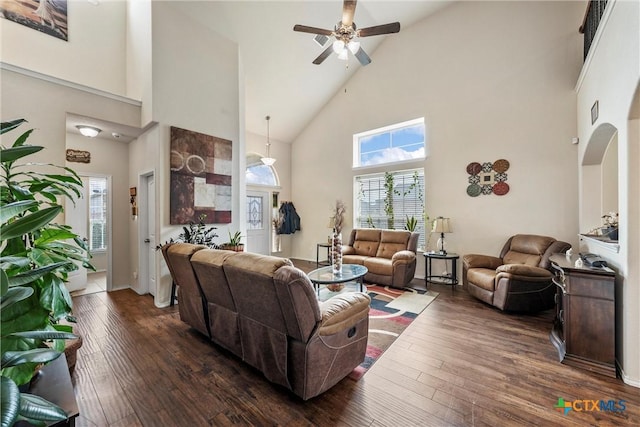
x=93 y=56
x=490 y=85
x=196 y=87
x=138 y=55
x=611 y=76
x=110 y=158
x=45 y=104
x=281 y=151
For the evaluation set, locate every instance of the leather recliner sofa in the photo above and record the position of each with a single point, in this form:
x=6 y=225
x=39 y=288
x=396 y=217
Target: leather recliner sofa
x=519 y=280
x=389 y=255
x=265 y=311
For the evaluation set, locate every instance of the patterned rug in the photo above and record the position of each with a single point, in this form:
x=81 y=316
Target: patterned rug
x=392 y=310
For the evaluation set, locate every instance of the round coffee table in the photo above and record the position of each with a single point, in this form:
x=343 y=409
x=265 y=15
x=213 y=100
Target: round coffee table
x=349 y=273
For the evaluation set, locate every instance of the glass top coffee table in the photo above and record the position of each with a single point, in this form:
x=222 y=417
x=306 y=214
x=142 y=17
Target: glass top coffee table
x=349 y=273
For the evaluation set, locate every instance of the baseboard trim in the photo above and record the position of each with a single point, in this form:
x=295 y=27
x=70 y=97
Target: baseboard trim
x=634 y=382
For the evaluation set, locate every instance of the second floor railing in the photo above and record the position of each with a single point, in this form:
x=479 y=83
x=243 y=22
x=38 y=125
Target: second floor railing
x=592 y=16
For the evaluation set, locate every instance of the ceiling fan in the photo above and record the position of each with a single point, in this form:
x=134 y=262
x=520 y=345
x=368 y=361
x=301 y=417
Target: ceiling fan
x=346 y=34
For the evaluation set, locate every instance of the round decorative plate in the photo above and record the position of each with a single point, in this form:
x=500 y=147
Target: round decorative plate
x=474 y=190
x=500 y=188
x=474 y=168
x=501 y=166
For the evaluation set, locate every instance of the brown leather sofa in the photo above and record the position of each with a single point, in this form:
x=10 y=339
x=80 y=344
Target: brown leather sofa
x=520 y=279
x=265 y=311
x=389 y=255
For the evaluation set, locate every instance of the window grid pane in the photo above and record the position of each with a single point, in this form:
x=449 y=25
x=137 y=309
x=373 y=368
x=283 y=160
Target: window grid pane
x=408 y=201
x=254 y=213
x=97 y=214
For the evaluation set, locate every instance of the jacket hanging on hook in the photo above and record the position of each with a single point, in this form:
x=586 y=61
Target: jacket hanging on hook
x=290 y=220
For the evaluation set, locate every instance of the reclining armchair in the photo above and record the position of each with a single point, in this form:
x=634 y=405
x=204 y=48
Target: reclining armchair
x=520 y=279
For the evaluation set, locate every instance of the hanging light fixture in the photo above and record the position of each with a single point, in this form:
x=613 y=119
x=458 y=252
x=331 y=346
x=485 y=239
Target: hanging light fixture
x=268 y=160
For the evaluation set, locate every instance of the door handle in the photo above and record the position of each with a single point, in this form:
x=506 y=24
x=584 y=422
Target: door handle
x=147 y=240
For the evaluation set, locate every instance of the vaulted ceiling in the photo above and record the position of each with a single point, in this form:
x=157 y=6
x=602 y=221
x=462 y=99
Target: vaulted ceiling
x=280 y=79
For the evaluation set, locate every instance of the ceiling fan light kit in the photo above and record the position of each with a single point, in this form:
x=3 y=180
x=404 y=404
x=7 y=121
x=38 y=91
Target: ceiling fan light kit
x=344 y=33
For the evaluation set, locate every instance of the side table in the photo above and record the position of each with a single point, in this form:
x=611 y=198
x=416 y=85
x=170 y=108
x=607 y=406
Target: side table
x=320 y=263
x=445 y=279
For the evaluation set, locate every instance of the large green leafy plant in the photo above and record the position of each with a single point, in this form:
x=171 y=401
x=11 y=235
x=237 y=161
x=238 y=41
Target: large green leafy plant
x=36 y=256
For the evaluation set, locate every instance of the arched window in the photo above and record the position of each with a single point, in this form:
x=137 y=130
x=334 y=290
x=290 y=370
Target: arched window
x=257 y=173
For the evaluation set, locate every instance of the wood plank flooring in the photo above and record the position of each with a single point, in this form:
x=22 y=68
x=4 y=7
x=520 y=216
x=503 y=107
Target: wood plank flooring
x=460 y=363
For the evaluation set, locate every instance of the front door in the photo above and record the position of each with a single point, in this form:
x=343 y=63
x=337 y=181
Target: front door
x=258 y=225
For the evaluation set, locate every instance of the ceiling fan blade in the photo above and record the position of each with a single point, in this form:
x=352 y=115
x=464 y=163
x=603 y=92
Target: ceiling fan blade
x=312 y=30
x=324 y=55
x=348 y=10
x=377 y=30
x=362 y=57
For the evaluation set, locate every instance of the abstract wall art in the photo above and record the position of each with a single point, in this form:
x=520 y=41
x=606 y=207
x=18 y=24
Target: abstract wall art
x=200 y=178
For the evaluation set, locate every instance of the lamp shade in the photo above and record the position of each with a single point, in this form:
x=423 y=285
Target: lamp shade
x=442 y=225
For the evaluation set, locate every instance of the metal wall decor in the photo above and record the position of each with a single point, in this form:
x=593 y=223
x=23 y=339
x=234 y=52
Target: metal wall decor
x=488 y=178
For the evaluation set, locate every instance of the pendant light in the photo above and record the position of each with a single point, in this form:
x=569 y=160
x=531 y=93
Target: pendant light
x=268 y=160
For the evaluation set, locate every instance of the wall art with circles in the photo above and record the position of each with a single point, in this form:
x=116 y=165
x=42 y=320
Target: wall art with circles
x=488 y=178
x=200 y=177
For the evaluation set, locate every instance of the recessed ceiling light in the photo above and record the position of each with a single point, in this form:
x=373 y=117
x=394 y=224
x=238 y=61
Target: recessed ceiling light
x=89 y=131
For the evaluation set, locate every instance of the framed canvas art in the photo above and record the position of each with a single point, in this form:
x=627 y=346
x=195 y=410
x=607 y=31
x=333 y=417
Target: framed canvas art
x=200 y=178
x=46 y=16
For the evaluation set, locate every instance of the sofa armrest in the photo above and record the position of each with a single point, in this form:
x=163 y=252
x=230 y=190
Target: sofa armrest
x=343 y=311
x=524 y=270
x=348 y=250
x=405 y=256
x=481 y=261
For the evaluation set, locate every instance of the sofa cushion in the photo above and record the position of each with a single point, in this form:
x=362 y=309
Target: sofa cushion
x=382 y=266
x=354 y=259
x=392 y=241
x=482 y=277
x=366 y=242
x=513 y=257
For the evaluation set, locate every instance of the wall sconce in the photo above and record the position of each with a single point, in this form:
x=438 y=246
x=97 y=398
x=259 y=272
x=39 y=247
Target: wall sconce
x=89 y=131
x=134 y=207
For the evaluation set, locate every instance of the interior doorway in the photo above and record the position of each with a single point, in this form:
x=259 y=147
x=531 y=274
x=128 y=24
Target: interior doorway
x=90 y=217
x=147 y=233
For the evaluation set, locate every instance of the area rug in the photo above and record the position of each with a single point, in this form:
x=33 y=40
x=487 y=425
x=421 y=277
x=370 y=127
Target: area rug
x=392 y=310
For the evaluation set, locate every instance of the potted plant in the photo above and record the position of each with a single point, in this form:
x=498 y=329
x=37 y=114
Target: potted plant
x=234 y=243
x=36 y=256
x=197 y=234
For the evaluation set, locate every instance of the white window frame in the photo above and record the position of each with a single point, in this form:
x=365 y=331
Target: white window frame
x=400 y=218
x=386 y=129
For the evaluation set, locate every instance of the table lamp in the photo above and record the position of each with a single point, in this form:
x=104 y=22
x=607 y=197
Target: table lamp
x=441 y=225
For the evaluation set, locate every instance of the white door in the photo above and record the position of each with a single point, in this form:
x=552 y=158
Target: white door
x=150 y=240
x=76 y=216
x=258 y=223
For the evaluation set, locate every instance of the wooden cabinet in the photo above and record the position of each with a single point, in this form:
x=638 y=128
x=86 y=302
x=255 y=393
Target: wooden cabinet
x=584 y=328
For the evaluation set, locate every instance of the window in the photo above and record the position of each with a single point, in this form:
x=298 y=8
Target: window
x=97 y=214
x=257 y=173
x=391 y=144
x=390 y=199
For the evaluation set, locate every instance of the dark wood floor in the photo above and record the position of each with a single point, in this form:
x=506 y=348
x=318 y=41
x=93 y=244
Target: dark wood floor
x=459 y=363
